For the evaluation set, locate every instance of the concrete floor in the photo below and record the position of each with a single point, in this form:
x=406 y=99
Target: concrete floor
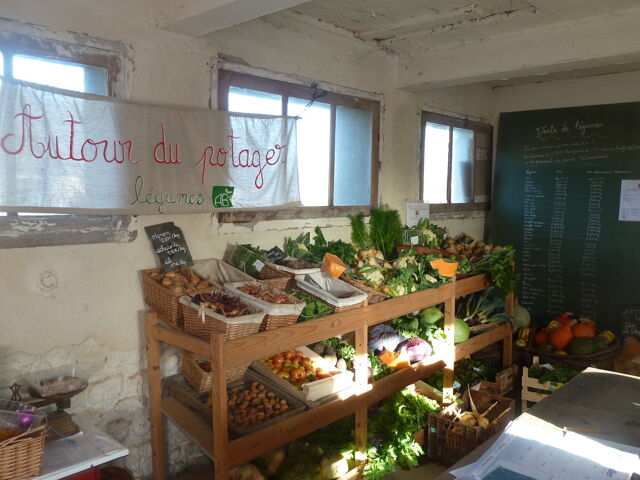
x=423 y=472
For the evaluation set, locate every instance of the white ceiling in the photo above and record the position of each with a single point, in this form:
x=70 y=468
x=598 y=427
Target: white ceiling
x=411 y=26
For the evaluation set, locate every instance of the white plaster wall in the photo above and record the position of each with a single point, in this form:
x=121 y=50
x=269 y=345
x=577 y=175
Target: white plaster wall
x=93 y=312
x=596 y=90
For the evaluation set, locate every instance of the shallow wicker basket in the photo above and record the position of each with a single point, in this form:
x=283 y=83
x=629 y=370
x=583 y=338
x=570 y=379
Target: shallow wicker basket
x=373 y=296
x=276 y=278
x=603 y=359
x=277 y=315
x=21 y=456
x=200 y=379
x=162 y=299
x=232 y=328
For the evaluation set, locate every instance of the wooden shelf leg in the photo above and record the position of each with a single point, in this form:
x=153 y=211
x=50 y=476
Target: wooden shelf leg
x=450 y=352
x=155 y=398
x=507 y=346
x=219 y=408
x=361 y=368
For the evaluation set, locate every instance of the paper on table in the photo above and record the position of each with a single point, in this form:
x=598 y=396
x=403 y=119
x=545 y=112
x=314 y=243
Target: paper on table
x=544 y=454
x=629 y=201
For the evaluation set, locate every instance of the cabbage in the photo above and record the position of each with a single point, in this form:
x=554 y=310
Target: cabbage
x=417 y=349
x=521 y=317
x=384 y=337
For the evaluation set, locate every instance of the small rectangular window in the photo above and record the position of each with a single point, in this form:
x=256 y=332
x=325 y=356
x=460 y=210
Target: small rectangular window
x=337 y=139
x=456 y=163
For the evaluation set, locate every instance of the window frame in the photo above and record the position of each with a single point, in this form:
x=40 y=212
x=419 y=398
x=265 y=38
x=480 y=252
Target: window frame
x=455 y=122
x=228 y=78
x=36 y=230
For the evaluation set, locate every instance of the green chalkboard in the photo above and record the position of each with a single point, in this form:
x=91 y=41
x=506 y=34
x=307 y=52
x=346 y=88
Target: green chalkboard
x=557 y=193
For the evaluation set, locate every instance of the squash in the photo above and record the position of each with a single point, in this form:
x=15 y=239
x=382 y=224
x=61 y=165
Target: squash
x=552 y=325
x=584 y=330
x=608 y=335
x=560 y=337
x=446 y=269
x=397 y=360
x=546 y=348
x=523 y=334
x=540 y=337
x=332 y=265
x=586 y=346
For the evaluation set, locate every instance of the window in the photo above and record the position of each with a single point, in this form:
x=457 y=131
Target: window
x=70 y=67
x=337 y=137
x=456 y=163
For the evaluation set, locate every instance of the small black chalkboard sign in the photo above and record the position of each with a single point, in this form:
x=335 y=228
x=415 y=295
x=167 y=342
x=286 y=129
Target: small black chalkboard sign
x=170 y=245
x=630 y=322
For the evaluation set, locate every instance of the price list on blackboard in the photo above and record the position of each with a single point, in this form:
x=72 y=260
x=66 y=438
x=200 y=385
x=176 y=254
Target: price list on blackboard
x=557 y=198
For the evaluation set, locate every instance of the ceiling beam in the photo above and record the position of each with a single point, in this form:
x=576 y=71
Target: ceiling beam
x=201 y=17
x=574 y=45
x=419 y=22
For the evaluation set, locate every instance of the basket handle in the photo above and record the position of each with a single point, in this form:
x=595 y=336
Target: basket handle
x=28 y=433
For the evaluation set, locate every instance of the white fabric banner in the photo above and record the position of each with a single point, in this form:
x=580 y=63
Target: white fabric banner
x=89 y=154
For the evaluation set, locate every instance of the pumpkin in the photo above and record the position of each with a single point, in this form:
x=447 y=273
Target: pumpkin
x=540 y=337
x=446 y=269
x=564 y=319
x=332 y=265
x=397 y=360
x=560 y=337
x=584 y=330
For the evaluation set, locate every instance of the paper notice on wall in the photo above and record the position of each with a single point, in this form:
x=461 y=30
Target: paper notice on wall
x=629 y=201
x=416 y=211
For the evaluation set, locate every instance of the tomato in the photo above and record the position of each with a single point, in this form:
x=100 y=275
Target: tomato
x=277 y=358
x=306 y=362
x=297 y=374
x=289 y=354
x=283 y=374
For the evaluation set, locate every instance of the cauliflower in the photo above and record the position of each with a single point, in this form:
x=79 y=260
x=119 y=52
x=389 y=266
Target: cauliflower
x=373 y=275
x=404 y=262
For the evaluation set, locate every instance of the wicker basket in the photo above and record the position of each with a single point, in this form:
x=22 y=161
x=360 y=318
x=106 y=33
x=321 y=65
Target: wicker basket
x=232 y=328
x=21 y=456
x=449 y=441
x=278 y=315
x=162 y=299
x=200 y=379
x=310 y=290
x=276 y=278
x=373 y=296
x=603 y=359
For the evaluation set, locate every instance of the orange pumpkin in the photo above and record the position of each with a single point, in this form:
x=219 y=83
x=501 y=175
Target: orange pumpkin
x=446 y=269
x=564 y=319
x=584 y=330
x=560 y=337
x=540 y=337
x=397 y=360
x=332 y=265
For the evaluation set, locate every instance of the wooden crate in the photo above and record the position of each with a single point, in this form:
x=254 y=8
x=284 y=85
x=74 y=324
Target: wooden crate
x=178 y=388
x=543 y=389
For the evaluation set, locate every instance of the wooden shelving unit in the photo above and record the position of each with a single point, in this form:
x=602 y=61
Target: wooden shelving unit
x=213 y=438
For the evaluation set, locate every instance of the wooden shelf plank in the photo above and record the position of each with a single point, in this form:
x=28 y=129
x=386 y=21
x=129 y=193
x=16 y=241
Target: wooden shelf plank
x=469 y=285
x=483 y=340
x=180 y=339
x=246 y=448
x=195 y=427
x=259 y=345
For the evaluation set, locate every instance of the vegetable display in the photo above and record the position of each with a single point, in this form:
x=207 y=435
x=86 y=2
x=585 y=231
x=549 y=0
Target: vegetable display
x=303 y=248
x=253 y=404
x=499 y=266
x=552 y=373
x=266 y=294
x=314 y=307
x=225 y=305
x=567 y=335
x=297 y=369
x=428 y=234
x=184 y=281
x=384 y=232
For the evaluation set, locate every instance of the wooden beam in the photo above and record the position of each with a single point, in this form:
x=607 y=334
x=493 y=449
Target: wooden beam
x=449 y=353
x=155 y=395
x=182 y=340
x=219 y=413
x=201 y=17
x=474 y=344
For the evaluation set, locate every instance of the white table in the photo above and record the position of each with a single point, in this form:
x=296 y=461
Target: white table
x=79 y=452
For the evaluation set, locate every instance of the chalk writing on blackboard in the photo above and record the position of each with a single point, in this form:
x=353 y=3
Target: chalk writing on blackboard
x=630 y=321
x=170 y=245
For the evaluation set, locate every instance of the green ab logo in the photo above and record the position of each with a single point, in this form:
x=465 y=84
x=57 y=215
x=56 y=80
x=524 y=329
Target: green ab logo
x=221 y=197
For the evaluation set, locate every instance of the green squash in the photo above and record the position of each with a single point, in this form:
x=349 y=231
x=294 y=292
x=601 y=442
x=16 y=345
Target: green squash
x=546 y=347
x=586 y=346
x=461 y=333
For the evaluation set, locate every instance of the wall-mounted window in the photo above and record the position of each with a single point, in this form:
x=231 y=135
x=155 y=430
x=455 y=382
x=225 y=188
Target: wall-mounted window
x=338 y=138
x=456 y=163
x=77 y=68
